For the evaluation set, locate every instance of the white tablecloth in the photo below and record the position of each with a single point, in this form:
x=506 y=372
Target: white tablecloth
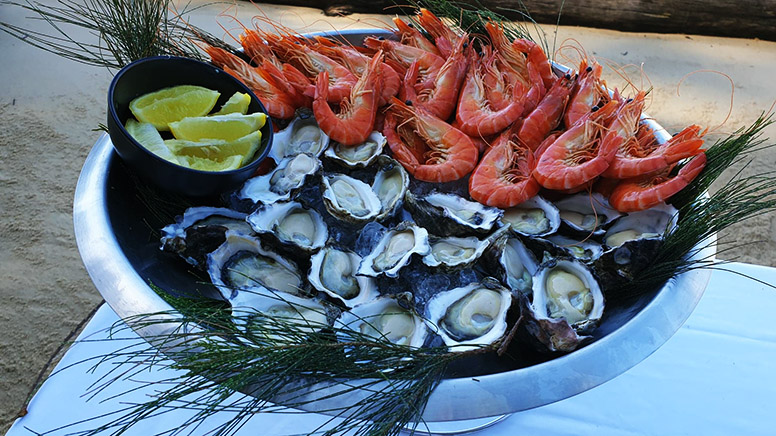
x=714 y=377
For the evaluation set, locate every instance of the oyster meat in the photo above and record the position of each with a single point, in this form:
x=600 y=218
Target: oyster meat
x=390 y=184
x=283 y=182
x=394 y=250
x=292 y=224
x=453 y=253
x=513 y=263
x=276 y=312
x=349 y=199
x=333 y=271
x=535 y=217
x=240 y=263
x=389 y=318
x=652 y=223
x=471 y=316
x=357 y=156
x=586 y=214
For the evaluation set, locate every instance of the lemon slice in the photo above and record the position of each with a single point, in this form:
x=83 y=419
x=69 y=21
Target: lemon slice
x=237 y=104
x=147 y=136
x=203 y=164
x=173 y=104
x=227 y=127
x=216 y=149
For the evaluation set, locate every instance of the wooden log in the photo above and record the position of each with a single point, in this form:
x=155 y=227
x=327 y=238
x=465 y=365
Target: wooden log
x=741 y=19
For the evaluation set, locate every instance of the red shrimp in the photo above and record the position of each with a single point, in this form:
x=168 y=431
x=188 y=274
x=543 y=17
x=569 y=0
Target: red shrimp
x=633 y=195
x=311 y=63
x=404 y=55
x=538 y=58
x=356 y=118
x=547 y=115
x=580 y=154
x=409 y=35
x=590 y=91
x=476 y=116
x=429 y=148
x=358 y=62
x=445 y=38
x=441 y=98
x=503 y=176
x=270 y=90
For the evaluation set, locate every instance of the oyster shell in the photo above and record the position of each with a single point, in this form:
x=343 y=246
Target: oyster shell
x=587 y=251
x=567 y=304
x=291 y=223
x=586 y=214
x=470 y=316
x=652 y=223
x=390 y=184
x=357 y=156
x=389 y=318
x=301 y=136
x=349 y=199
x=240 y=263
x=333 y=271
x=451 y=215
x=535 y=217
x=453 y=253
x=200 y=230
x=513 y=264
x=394 y=250
x=283 y=182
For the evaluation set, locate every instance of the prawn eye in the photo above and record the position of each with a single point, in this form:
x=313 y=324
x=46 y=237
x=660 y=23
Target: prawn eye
x=594 y=108
x=411 y=25
x=408 y=102
x=629 y=100
x=589 y=69
x=381 y=38
x=567 y=76
x=465 y=44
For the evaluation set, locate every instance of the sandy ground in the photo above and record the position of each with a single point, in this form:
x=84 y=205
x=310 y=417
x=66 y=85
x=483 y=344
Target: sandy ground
x=50 y=107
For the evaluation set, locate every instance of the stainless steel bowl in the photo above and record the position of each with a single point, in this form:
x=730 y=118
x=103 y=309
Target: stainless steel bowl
x=121 y=257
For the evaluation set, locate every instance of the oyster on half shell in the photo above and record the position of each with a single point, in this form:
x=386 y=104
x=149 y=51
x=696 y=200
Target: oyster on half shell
x=390 y=184
x=452 y=252
x=349 y=199
x=283 y=182
x=292 y=224
x=451 y=215
x=357 y=156
x=470 y=316
x=394 y=250
x=242 y=263
x=586 y=214
x=510 y=261
x=389 y=318
x=333 y=271
x=301 y=136
x=535 y=217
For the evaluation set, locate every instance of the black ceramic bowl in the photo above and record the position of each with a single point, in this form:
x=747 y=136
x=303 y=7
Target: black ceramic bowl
x=152 y=74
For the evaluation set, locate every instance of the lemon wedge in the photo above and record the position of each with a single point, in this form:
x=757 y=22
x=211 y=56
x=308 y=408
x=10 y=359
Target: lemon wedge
x=147 y=136
x=228 y=127
x=203 y=164
x=216 y=149
x=237 y=104
x=173 y=104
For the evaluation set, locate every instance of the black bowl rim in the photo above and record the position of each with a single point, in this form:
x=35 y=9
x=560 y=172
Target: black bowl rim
x=113 y=114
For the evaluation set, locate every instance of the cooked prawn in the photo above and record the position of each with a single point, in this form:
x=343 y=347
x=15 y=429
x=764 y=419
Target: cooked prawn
x=643 y=193
x=269 y=89
x=445 y=38
x=590 y=91
x=547 y=115
x=404 y=55
x=503 y=178
x=580 y=154
x=356 y=118
x=409 y=35
x=430 y=149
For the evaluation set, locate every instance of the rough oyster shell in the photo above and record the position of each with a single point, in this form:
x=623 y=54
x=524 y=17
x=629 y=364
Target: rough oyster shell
x=200 y=230
x=333 y=271
x=301 y=136
x=241 y=263
x=510 y=261
x=349 y=199
x=390 y=318
x=395 y=250
x=587 y=251
x=292 y=224
x=453 y=253
x=390 y=185
x=451 y=215
x=357 y=156
x=470 y=316
x=283 y=182
x=652 y=223
x=535 y=217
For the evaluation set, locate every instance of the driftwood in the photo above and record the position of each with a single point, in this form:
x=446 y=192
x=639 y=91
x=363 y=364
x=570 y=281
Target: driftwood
x=741 y=19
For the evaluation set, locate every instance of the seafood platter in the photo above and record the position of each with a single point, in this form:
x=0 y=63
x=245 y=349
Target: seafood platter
x=448 y=219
